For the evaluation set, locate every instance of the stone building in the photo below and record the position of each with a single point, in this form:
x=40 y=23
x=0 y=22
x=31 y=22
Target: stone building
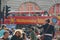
x=24 y=5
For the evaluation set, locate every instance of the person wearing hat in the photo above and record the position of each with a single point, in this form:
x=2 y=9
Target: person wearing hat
x=48 y=30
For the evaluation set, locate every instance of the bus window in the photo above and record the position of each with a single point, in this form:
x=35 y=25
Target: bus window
x=58 y=14
x=18 y=14
x=45 y=14
x=42 y=14
x=34 y=14
x=10 y=15
x=38 y=14
x=13 y=14
x=23 y=14
x=26 y=14
x=29 y=15
x=50 y=14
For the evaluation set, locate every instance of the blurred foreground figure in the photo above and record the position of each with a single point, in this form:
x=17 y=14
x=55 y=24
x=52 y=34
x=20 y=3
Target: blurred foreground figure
x=48 y=32
x=5 y=36
x=17 y=36
x=2 y=30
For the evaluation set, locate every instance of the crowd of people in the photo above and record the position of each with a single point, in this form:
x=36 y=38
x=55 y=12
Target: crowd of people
x=32 y=34
x=6 y=34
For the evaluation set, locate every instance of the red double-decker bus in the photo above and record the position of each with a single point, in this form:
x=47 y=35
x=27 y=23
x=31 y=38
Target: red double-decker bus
x=29 y=17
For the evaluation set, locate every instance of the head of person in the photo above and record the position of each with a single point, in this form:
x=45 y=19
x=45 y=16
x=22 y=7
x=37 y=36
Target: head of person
x=3 y=26
x=12 y=29
x=31 y=29
x=47 y=21
x=18 y=33
x=0 y=28
x=24 y=35
x=29 y=37
x=6 y=34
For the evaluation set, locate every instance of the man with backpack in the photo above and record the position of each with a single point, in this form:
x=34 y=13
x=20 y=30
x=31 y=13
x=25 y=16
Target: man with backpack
x=48 y=31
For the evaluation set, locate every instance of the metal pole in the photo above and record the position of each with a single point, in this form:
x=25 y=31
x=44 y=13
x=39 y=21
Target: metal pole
x=4 y=8
x=3 y=14
x=0 y=5
x=0 y=13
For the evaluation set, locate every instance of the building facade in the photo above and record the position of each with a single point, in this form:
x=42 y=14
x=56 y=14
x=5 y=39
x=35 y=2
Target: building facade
x=24 y=5
x=52 y=6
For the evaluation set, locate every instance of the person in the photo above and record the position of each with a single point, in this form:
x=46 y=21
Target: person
x=12 y=30
x=6 y=35
x=9 y=31
x=2 y=30
x=25 y=37
x=29 y=38
x=32 y=34
x=17 y=36
x=48 y=31
x=37 y=34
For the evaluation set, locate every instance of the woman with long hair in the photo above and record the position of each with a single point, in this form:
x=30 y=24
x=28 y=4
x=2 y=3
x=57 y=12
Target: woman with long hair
x=17 y=36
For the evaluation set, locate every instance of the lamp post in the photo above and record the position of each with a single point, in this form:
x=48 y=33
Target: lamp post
x=0 y=5
x=0 y=13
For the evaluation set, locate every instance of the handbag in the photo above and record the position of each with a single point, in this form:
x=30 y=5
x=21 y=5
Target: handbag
x=43 y=36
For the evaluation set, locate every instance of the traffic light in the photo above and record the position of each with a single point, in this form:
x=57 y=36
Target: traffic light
x=7 y=10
